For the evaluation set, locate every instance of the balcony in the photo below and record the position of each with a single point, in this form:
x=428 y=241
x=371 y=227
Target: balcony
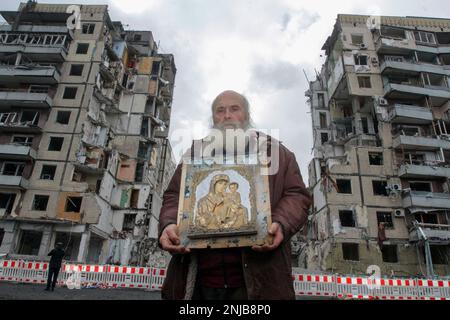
x=424 y=199
x=389 y=45
x=32 y=97
x=13 y=182
x=410 y=67
x=400 y=113
x=420 y=143
x=29 y=74
x=414 y=90
x=36 y=46
x=412 y=171
x=17 y=152
x=434 y=233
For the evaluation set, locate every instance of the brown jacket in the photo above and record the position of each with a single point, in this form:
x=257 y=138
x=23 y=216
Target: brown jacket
x=268 y=276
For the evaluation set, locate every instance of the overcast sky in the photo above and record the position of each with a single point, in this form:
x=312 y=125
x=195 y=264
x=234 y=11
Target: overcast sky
x=256 y=47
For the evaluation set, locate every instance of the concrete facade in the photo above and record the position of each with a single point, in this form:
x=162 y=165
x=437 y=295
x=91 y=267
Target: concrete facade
x=380 y=116
x=89 y=164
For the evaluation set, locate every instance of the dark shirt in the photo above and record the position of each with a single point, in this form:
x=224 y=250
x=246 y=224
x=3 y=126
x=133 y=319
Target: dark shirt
x=220 y=268
x=57 y=256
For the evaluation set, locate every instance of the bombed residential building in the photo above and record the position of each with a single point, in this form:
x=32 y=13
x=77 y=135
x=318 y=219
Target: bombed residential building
x=84 y=121
x=381 y=126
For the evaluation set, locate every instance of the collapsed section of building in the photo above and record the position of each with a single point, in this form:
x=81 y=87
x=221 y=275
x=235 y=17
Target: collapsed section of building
x=84 y=149
x=381 y=126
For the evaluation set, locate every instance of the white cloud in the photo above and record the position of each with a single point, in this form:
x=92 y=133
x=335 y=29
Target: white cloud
x=248 y=46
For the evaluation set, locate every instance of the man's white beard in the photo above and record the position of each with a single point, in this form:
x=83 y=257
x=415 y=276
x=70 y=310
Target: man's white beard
x=231 y=141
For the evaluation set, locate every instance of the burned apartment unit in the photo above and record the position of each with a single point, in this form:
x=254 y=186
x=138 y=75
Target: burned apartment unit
x=381 y=166
x=84 y=150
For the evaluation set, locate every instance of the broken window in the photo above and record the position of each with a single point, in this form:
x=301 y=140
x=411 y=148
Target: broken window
x=439 y=255
x=155 y=68
x=321 y=100
x=48 y=172
x=23 y=140
x=394 y=33
x=365 y=125
x=410 y=131
x=424 y=37
x=7 y=202
x=145 y=127
x=98 y=186
x=144 y=151
x=426 y=57
x=76 y=69
x=139 y=172
x=88 y=28
x=63 y=117
x=415 y=158
x=55 y=144
x=361 y=60
x=30 y=241
x=324 y=137
x=350 y=251
x=128 y=222
x=420 y=186
x=30 y=117
x=445 y=58
x=134 y=201
x=379 y=188
x=443 y=37
x=386 y=218
x=40 y=202
x=434 y=80
x=2 y=234
x=70 y=93
x=347 y=218
x=137 y=37
x=427 y=218
x=82 y=48
x=344 y=186
x=73 y=204
x=323 y=120
x=357 y=39
x=389 y=253
x=376 y=158
x=13 y=169
x=364 y=82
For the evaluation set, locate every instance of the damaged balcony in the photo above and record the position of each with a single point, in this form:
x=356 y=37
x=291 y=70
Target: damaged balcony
x=412 y=171
x=16 y=182
x=36 y=46
x=435 y=233
x=17 y=152
x=425 y=199
x=26 y=122
x=29 y=74
x=391 y=40
x=406 y=142
x=401 y=113
x=427 y=85
x=33 y=96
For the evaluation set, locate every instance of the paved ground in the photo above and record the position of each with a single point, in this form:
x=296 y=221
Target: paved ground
x=24 y=291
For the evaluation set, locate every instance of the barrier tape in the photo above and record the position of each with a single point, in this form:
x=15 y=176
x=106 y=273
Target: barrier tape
x=151 y=278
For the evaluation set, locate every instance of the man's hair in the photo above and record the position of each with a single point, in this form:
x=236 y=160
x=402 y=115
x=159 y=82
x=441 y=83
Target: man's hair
x=246 y=107
x=234 y=184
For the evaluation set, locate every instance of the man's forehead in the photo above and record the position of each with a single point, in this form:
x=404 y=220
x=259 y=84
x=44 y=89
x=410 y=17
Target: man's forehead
x=226 y=99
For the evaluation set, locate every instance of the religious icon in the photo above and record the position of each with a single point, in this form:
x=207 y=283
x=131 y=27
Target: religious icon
x=224 y=205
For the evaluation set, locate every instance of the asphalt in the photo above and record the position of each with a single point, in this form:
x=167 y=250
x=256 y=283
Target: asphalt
x=25 y=291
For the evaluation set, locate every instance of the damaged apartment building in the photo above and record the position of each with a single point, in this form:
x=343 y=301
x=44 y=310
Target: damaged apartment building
x=84 y=150
x=381 y=166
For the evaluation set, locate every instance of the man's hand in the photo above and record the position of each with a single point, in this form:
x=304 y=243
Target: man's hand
x=170 y=241
x=277 y=232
